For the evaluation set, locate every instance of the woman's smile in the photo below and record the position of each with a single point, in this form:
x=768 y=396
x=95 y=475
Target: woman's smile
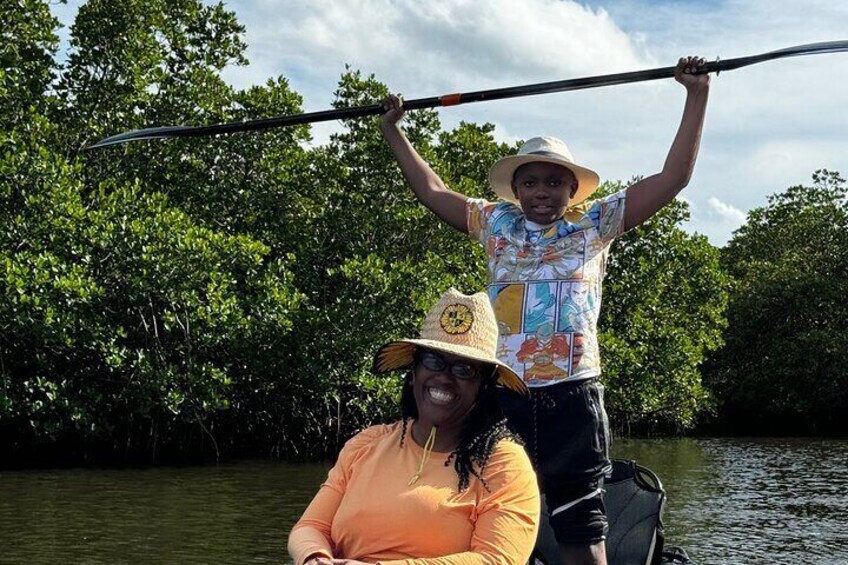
x=440 y=395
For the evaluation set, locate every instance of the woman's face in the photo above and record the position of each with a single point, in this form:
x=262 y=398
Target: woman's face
x=442 y=398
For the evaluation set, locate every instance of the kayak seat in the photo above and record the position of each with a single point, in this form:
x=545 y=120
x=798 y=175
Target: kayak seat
x=634 y=499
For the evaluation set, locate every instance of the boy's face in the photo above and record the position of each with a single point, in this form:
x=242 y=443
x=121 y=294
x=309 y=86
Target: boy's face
x=543 y=190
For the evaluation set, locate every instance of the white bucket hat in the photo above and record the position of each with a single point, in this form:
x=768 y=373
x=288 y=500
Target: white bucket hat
x=546 y=150
x=459 y=324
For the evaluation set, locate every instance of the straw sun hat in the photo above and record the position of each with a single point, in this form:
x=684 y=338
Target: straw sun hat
x=546 y=150
x=459 y=324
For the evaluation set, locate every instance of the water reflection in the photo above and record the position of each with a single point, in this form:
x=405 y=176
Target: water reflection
x=227 y=514
x=753 y=500
x=730 y=501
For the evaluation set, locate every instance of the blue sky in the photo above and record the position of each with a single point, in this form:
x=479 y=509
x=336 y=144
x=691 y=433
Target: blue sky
x=768 y=126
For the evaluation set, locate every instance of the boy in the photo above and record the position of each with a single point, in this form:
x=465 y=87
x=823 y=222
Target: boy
x=546 y=264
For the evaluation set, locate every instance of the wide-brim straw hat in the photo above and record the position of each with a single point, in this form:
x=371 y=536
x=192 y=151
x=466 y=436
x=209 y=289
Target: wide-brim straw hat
x=459 y=324
x=546 y=150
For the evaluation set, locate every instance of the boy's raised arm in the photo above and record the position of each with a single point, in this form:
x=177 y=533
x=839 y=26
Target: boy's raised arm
x=648 y=196
x=448 y=205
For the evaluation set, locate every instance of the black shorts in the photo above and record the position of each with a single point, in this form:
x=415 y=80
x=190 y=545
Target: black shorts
x=566 y=433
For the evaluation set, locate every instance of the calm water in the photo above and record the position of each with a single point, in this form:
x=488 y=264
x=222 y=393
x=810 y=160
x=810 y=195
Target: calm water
x=730 y=501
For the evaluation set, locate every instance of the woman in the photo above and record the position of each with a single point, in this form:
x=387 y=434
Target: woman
x=448 y=484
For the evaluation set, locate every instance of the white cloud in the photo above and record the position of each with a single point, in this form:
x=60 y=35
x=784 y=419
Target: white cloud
x=731 y=216
x=717 y=220
x=777 y=162
x=437 y=46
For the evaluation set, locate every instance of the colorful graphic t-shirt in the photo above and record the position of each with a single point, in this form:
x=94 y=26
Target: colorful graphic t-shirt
x=545 y=285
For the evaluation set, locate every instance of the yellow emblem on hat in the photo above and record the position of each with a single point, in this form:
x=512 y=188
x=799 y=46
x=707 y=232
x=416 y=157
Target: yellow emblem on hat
x=456 y=319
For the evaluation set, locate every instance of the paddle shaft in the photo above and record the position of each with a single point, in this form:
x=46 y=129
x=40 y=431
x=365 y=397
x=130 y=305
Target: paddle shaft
x=468 y=97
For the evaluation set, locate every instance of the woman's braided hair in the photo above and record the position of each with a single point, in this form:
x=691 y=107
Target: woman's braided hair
x=484 y=428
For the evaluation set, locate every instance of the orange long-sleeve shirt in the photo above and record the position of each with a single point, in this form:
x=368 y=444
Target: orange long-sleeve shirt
x=367 y=511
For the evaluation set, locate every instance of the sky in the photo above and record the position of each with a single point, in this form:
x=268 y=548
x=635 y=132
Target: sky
x=768 y=126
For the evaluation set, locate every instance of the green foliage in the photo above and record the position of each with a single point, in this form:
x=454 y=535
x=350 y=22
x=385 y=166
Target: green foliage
x=226 y=295
x=27 y=44
x=132 y=320
x=372 y=259
x=121 y=316
x=664 y=300
x=143 y=311
x=783 y=367
x=140 y=60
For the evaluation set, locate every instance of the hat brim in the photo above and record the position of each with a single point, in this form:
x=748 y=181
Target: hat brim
x=400 y=354
x=501 y=173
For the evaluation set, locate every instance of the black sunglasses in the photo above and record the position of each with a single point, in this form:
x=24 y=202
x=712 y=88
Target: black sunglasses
x=462 y=370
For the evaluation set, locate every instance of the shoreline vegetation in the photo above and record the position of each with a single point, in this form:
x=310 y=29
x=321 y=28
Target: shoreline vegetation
x=207 y=299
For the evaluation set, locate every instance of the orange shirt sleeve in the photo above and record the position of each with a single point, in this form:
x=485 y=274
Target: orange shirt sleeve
x=507 y=515
x=311 y=535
